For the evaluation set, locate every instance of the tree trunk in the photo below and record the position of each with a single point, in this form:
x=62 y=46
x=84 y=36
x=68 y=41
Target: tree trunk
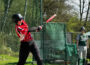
x=80 y=11
x=87 y=13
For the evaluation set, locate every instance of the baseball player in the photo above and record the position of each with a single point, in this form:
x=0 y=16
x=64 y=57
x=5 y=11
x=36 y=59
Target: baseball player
x=82 y=40
x=27 y=42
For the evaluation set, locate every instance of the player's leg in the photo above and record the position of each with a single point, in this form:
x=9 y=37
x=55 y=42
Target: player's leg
x=80 y=55
x=36 y=54
x=23 y=54
x=85 y=55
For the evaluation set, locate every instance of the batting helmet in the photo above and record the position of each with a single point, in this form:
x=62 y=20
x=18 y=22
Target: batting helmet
x=17 y=17
x=82 y=28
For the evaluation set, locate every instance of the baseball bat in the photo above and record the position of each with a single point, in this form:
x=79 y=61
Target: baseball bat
x=53 y=16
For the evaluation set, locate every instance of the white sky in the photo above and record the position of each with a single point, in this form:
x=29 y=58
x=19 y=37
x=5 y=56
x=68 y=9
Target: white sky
x=75 y=4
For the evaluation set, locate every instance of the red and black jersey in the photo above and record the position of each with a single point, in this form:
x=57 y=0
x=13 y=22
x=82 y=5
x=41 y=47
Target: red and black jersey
x=23 y=29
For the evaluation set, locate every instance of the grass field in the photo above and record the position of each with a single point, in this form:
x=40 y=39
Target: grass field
x=9 y=60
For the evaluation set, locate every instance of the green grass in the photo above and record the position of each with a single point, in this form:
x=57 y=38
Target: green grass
x=9 y=60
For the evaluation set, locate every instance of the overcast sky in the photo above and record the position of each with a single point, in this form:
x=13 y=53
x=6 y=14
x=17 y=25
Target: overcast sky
x=75 y=4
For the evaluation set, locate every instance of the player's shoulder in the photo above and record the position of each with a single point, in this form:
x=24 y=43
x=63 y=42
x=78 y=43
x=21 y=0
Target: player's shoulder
x=86 y=35
x=24 y=22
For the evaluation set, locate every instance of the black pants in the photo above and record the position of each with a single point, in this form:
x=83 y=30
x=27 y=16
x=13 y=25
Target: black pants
x=27 y=47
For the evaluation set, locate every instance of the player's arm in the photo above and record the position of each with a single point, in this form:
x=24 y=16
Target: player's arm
x=34 y=29
x=22 y=36
x=87 y=42
x=22 y=32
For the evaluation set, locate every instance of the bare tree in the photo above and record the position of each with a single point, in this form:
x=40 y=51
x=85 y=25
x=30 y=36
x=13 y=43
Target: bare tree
x=81 y=7
x=87 y=11
x=80 y=10
x=87 y=15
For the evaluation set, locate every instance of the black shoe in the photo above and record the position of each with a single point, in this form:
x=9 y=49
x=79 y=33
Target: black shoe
x=78 y=61
x=84 y=62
